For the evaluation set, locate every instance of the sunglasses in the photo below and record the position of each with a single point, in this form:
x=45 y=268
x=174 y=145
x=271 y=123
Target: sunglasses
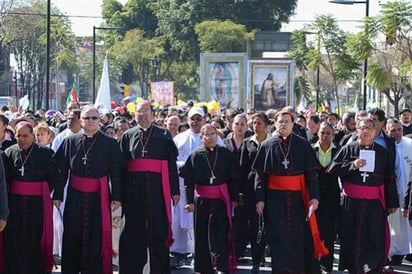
x=94 y=118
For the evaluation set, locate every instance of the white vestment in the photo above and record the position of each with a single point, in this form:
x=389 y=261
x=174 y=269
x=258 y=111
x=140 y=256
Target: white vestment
x=400 y=231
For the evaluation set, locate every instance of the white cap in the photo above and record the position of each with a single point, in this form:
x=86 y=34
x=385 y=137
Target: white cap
x=196 y=110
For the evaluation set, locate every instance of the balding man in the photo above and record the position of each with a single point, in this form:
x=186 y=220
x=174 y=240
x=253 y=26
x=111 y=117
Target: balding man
x=150 y=185
x=172 y=125
x=87 y=161
x=28 y=237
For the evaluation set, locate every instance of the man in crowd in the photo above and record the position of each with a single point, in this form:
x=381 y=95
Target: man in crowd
x=287 y=193
x=172 y=125
x=90 y=160
x=348 y=127
x=401 y=232
x=150 y=182
x=182 y=224
x=405 y=117
x=31 y=174
x=368 y=179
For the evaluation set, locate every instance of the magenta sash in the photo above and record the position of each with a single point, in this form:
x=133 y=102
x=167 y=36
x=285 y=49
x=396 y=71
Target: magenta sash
x=100 y=185
x=369 y=193
x=157 y=166
x=40 y=189
x=220 y=192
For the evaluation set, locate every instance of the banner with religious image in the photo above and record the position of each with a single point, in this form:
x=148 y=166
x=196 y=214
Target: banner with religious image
x=162 y=92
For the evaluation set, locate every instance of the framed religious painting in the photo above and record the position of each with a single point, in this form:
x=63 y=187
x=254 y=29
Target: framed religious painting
x=270 y=83
x=223 y=78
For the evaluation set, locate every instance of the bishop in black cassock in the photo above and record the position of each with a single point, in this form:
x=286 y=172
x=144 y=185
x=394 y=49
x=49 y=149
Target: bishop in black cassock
x=368 y=198
x=89 y=160
x=31 y=174
x=150 y=183
x=211 y=177
x=286 y=186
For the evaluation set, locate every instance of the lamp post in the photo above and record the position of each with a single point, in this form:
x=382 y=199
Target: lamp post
x=94 y=56
x=47 y=54
x=365 y=64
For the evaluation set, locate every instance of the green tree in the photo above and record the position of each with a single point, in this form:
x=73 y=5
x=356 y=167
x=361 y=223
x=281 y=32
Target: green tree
x=216 y=36
x=24 y=35
x=390 y=69
x=134 y=49
x=301 y=85
x=331 y=55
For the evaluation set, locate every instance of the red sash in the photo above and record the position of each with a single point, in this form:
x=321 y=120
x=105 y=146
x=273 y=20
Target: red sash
x=100 y=185
x=297 y=183
x=157 y=166
x=220 y=192
x=369 y=193
x=40 y=189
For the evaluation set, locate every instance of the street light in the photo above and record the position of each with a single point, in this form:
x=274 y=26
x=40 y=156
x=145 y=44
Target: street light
x=94 y=55
x=365 y=64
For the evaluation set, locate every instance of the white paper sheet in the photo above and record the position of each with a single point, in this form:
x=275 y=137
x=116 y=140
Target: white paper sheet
x=369 y=156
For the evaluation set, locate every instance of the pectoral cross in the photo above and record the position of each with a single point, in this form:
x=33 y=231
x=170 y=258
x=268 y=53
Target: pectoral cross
x=22 y=171
x=364 y=175
x=143 y=152
x=84 y=159
x=212 y=179
x=285 y=163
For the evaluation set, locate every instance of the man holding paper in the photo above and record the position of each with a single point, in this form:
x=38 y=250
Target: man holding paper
x=287 y=193
x=369 y=190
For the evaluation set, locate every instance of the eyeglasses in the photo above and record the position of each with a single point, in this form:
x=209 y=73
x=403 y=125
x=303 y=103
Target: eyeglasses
x=196 y=119
x=94 y=118
x=365 y=128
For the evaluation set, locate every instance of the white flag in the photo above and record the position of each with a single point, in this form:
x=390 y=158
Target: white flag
x=103 y=99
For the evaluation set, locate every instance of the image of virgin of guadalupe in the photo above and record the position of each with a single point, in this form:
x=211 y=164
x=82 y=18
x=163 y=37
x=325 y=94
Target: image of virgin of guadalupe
x=223 y=79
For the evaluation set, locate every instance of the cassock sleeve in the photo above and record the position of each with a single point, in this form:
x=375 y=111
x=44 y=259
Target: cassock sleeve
x=311 y=172
x=172 y=165
x=235 y=175
x=342 y=163
x=4 y=209
x=60 y=158
x=116 y=170
x=391 y=193
x=186 y=172
x=52 y=174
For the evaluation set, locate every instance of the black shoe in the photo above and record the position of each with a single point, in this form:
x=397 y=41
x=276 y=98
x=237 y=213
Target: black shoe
x=408 y=258
x=256 y=269
x=242 y=260
x=177 y=262
x=263 y=261
x=396 y=260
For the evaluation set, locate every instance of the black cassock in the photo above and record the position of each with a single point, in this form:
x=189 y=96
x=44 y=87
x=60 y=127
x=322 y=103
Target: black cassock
x=288 y=231
x=23 y=233
x=364 y=220
x=212 y=241
x=82 y=236
x=143 y=201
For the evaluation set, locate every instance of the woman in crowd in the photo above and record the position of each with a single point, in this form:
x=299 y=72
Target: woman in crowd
x=328 y=211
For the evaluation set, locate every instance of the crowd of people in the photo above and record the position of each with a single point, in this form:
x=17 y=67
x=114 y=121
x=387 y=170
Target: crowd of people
x=197 y=188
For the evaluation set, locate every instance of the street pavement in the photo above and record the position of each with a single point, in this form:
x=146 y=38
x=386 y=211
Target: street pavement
x=406 y=267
